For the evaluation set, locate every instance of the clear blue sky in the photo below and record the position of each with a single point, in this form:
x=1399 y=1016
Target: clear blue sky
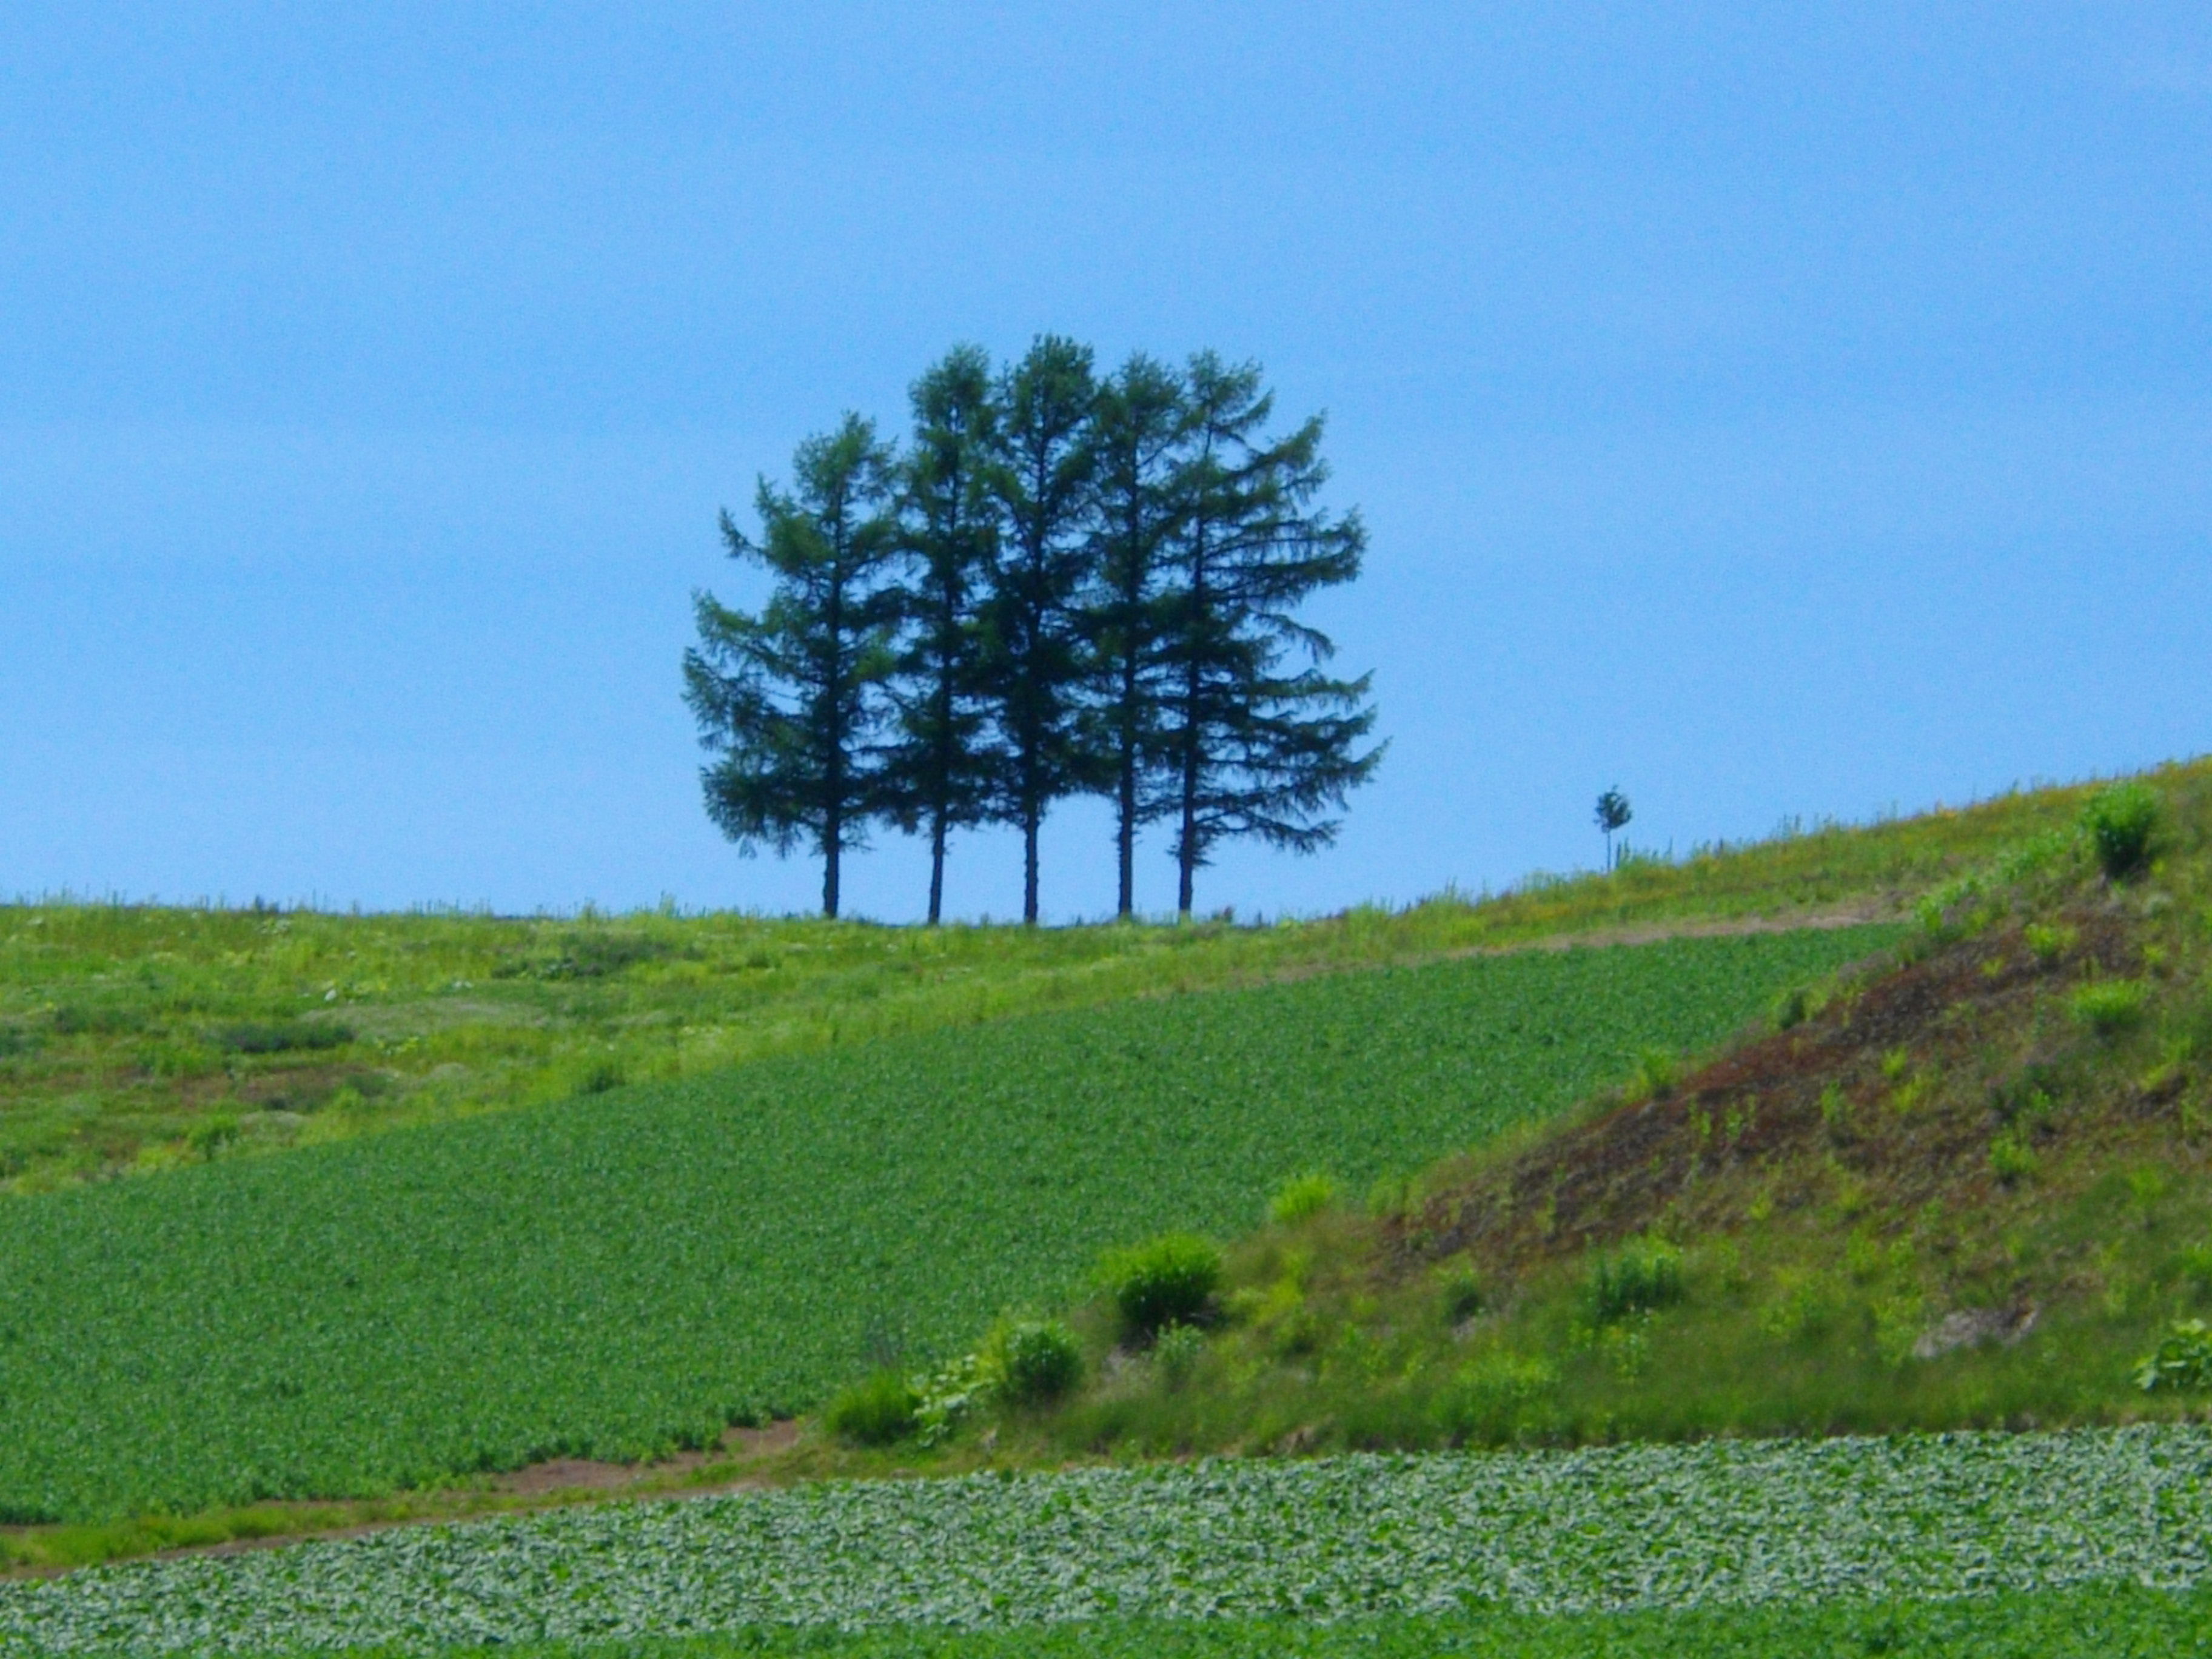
x=1773 y=409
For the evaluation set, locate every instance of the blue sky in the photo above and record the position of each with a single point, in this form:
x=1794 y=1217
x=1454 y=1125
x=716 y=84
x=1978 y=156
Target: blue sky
x=1787 y=410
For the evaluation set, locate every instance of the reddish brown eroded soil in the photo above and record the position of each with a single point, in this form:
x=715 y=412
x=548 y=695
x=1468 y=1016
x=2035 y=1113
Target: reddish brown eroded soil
x=1753 y=1122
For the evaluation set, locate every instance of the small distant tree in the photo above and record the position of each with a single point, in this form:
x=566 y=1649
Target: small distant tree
x=1043 y=463
x=939 y=771
x=787 y=700
x=1253 y=738
x=1614 y=813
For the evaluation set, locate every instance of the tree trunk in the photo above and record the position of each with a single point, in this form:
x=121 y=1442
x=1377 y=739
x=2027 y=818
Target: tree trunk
x=1031 y=817
x=937 y=868
x=830 y=879
x=1125 y=836
x=1185 y=858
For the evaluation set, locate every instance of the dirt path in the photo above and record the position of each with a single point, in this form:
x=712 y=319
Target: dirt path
x=1860 y=913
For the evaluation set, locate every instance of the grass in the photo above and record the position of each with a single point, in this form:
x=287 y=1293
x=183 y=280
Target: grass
x=141 y=1038
x=1717 y=1527
x=629 y=1273
x=1974 y=1189
x=2098 y=1621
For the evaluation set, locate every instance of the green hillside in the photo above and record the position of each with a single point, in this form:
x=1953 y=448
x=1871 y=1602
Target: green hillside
x=1971 y=1188
x=634 y=1270
x=141 y=1038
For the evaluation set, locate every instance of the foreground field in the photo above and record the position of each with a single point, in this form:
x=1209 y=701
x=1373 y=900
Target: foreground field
x=1714 y=1526
x=623 y=1274
x=2102 y=1622
x=137 y=1038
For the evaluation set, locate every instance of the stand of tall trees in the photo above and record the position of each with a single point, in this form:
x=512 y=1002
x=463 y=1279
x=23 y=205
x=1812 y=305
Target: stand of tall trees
x=1064 y=584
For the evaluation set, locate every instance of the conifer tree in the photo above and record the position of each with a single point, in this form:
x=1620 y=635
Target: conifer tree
x=1139 y=429
x=1255 y=740
x=787 y=700
x=1042 y=477
x=939 y=770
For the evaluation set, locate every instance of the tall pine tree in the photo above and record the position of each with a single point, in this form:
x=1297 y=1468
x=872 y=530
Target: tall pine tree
x=1139 y=430
x=788 y=701
x=939 y=770
x=1255 y=739
x=1042 y=476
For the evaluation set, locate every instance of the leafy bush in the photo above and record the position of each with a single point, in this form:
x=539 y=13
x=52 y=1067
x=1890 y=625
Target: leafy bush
x=1176 y=1353
x=1644 y=1275
x=878 y=1412
x=1462 y=1294
x=1655 y=1073
x=1034 y=1361
x=2183 y=1360
x=949 y=1396
x=2050 y=942
x=1168 y=1281
x=1302 y=1197
x=2011 y=1157
x=2110 y=1006
x=210 y=1136
x=2119 y=821
x=1792 y=1007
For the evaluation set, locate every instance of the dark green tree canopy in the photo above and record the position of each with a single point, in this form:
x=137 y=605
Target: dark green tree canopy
x=1062 y=584
x=940 y=770
x=1142 y=424
x=1043 y=464
x=1256 y=740
x=788 y=699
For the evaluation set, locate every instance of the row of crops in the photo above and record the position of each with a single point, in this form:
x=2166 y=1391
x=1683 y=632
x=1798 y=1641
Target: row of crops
x=1715 y=1526
x=625 y=1272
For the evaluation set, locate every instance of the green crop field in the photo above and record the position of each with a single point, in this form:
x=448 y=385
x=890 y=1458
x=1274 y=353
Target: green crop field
x=2104 y=1621
x=627 y=1271
x=1850 y=1526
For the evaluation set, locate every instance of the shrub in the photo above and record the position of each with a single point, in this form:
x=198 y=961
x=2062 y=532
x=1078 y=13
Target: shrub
x=876 y=1413
x=1655 y=1073
x=2110 y=1006
x=2195 y=1266
x=1176 y=1353
x=2011 y=1157
x=949 y=1396
x=1835 y=1110
x=1792 y=1007
x=2048 y=944
x=1302 y=1197
x=2183 y=1360
x=2119 y=821
x=210 y=1136
x=1034 y=1361
x=1462 y=1294
x=1644 y=1275
x=1166 y=1282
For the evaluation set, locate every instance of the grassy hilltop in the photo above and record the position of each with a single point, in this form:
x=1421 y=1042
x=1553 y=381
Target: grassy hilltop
x=140 y=1038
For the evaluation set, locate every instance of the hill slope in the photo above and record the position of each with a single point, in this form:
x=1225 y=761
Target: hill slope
x=624 y=1273
x=1972 y=1188
x=137 y=1038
